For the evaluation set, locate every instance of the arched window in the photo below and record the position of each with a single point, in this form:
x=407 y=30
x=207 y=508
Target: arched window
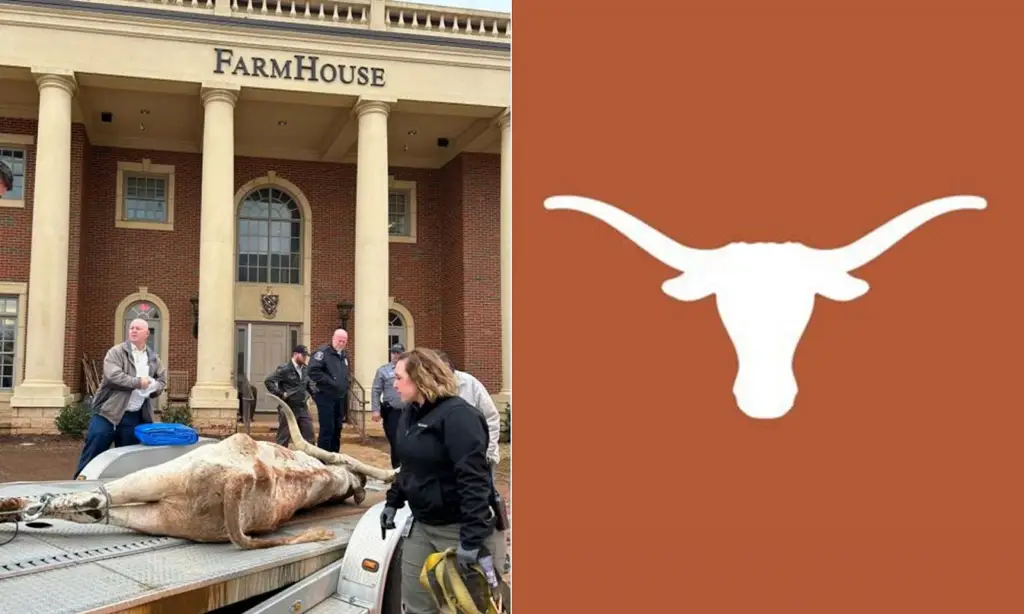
x=149 y=312
x=269 y=238
x=396 y=329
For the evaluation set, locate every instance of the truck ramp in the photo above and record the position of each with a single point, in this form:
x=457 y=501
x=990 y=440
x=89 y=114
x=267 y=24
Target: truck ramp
x=60 y=567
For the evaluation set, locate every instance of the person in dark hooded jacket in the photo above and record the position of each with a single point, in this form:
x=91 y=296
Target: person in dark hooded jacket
x=444 y=476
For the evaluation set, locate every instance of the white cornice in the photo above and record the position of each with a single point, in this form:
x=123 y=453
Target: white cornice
x=237 y=35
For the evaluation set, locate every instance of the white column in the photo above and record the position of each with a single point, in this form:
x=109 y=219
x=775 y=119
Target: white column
x=371 y=283
x=43 y=384
x=505 y=124
x=213 y=388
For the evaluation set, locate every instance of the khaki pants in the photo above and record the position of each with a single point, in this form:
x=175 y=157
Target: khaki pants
x=423 y=541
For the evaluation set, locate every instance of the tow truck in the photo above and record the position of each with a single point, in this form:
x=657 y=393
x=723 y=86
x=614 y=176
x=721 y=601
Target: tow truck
x=60 y=567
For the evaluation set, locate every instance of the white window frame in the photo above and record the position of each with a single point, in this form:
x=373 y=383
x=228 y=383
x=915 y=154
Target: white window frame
x=144 y=169
x=24 y=142
x=18 y=290
x=409 y=189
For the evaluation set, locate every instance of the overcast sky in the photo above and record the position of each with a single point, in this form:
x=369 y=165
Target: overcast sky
x=484 y=5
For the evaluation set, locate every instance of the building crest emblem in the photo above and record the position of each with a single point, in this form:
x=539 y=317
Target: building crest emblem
x=268 y=304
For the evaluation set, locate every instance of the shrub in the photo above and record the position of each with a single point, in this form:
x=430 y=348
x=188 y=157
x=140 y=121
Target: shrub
x=73 y=420
x=178 y=414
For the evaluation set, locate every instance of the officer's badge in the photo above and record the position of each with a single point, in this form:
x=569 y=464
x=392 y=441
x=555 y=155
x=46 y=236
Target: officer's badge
x=318 y=356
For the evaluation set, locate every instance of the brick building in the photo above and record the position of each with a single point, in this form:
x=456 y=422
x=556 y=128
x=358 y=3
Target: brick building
x=248 y=176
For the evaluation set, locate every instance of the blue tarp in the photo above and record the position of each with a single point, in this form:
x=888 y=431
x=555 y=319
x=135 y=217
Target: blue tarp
x=166 y=434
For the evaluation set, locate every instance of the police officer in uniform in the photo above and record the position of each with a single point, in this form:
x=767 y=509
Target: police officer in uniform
x=385 y=401
x=329 y=371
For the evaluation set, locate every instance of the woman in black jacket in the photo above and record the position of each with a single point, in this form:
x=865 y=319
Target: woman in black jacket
x=444 y=478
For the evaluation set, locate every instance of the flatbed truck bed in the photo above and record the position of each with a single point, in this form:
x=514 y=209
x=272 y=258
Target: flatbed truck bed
x=59 y=567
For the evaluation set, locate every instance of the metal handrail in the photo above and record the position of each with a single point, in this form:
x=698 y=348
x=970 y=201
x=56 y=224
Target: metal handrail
x=362 y=402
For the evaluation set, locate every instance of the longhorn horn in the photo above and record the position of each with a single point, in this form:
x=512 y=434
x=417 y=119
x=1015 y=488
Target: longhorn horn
x=665 y=249
x=325 y=457
x=876 y=242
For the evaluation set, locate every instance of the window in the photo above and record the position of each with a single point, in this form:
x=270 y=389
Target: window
x=396 y=329
x=402 y=211
x=14 y=151
x=14 y=157
x=145 y=196
x=269 y=238
x=398 y=213
x=241 y=351
x=149 y=312
x=8 y=340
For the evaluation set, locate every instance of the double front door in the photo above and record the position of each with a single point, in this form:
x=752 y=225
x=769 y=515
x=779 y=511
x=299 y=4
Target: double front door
x=259 y=349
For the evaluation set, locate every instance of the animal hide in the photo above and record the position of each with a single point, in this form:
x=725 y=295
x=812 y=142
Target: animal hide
x=234 y=490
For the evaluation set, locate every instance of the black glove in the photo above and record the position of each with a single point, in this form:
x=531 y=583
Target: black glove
x=465 y=558
x=387 y=520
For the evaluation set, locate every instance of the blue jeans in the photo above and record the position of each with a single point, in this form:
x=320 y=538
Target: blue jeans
x=102 y=433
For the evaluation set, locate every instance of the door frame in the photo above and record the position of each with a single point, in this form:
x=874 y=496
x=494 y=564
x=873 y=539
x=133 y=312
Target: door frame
x=294 y=338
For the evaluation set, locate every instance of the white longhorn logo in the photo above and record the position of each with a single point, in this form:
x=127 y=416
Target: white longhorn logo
x=765 y=291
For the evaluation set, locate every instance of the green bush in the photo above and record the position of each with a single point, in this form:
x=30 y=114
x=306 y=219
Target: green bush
x=178 y=414
x=73 y=420
x=506 y=425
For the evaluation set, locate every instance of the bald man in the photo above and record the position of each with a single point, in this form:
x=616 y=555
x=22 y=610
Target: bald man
x=133 y=378
x=329 y=371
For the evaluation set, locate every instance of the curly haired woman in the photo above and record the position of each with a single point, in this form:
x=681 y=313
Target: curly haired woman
x=444 y=477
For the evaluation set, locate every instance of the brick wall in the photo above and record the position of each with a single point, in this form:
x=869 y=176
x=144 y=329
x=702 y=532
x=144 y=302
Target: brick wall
x=80 y=158
x=481 y=258
x=450 y=280
x=452 y=290
x=16 y=236
x=169 y=267
x=470 y=277
x=16 y=224
x=414 y=267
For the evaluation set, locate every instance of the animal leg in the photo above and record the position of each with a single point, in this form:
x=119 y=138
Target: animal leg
x=148 y=518
x=330 y=458
x=234 y=492
x=147 y=486
x=86 y=507
x=83 y=507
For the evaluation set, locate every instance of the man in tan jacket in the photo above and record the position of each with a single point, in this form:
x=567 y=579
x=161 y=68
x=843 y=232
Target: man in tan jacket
x=133 y=378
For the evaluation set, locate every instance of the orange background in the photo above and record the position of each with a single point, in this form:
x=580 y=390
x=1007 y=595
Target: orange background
x=895 y=484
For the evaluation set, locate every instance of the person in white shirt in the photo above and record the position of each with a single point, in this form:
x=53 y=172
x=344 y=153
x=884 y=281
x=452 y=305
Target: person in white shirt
x=474 y=392
x=133 y=378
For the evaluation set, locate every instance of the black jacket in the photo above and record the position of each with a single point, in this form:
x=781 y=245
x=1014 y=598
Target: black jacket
x=286 y=383
x=328 y=368
x=444 y=477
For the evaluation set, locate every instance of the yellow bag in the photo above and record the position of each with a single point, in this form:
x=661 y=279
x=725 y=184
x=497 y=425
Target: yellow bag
x=462 y=594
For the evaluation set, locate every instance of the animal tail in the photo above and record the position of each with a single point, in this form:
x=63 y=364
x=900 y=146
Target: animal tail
x=234 y=493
